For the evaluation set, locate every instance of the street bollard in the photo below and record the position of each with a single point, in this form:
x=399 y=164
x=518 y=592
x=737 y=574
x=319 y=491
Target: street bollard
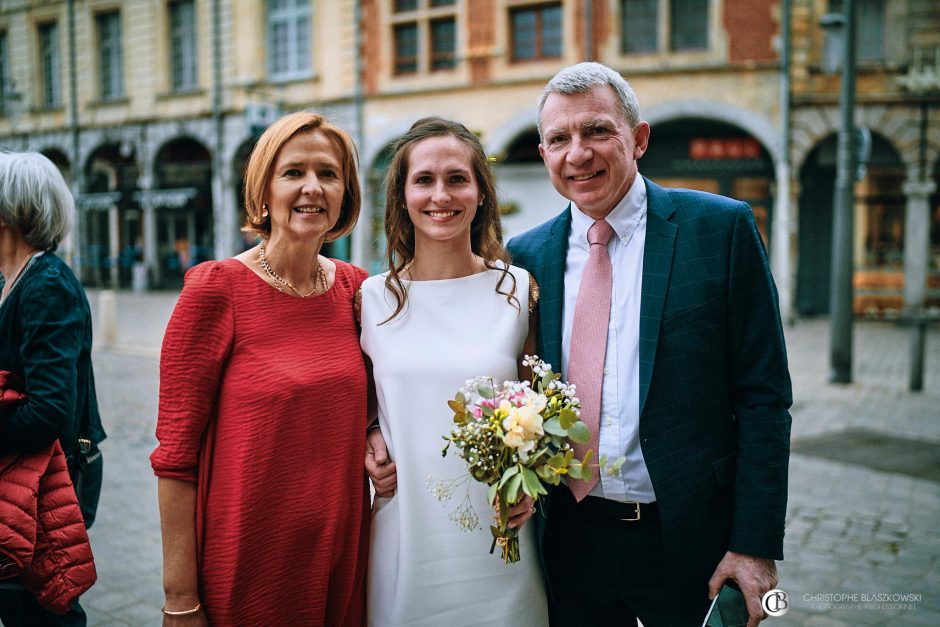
x=918 y=339
x=139 y=278
x=107 y=318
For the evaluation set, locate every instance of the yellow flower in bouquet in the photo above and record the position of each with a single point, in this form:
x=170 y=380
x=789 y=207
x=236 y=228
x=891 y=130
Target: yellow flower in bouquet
x=523 y=427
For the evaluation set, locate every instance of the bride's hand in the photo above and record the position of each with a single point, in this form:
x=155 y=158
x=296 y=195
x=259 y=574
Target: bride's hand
x=521 y=512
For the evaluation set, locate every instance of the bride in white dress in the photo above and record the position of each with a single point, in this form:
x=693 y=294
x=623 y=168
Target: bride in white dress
x=449 y=309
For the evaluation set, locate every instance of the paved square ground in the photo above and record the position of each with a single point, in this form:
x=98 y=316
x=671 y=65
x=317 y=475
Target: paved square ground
x=856 y=529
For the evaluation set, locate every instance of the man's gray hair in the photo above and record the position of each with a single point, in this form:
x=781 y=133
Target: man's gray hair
x=34 y=198
x=583 y=77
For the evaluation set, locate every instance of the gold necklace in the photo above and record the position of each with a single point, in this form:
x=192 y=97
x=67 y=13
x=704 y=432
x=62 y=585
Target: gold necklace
x=319 y=281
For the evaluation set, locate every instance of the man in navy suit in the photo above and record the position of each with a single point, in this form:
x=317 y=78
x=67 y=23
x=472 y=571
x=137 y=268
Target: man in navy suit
x=695 y=389
x=695 y=386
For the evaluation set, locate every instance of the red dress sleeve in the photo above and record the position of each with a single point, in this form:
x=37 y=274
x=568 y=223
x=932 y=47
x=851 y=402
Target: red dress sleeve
x=359 y=275
x=196 y=344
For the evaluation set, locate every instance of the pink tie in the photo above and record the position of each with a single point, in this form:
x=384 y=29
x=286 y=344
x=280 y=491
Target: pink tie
x=589 y=345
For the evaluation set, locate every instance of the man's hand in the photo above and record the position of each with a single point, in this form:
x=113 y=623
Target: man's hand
x=381 y=469
x=754 y=575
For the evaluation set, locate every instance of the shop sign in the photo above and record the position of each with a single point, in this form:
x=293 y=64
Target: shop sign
x=721 y=148
x=167 y=198
x=98 y=201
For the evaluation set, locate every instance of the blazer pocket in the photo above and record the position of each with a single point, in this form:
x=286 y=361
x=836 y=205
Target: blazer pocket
x=700 y=314
x=723 y=470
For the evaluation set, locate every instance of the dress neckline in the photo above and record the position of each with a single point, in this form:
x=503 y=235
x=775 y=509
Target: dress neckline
x=467 y=278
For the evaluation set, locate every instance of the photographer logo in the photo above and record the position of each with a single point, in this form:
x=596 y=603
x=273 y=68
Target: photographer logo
x=775 y=603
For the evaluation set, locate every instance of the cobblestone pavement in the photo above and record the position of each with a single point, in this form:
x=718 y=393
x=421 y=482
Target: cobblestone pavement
x=853 y=531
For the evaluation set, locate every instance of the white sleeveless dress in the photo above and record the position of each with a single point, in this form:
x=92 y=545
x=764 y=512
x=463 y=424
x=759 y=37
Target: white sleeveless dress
x=423 y=568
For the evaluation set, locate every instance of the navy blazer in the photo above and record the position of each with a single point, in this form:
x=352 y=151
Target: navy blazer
x=714 y=384
x=45 y=337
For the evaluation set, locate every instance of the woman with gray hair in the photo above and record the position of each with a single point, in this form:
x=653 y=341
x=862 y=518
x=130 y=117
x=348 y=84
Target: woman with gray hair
x=45 y=340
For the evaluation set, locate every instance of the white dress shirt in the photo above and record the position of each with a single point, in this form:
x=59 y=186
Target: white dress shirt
x=620 y=395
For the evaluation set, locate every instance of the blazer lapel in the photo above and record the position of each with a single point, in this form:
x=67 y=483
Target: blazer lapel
x=552 y=288
x=657 y=266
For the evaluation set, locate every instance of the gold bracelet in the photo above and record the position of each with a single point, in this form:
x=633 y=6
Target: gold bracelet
x=182 y=612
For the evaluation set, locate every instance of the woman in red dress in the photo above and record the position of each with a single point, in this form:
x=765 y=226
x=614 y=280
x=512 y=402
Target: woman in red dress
x=263 y=504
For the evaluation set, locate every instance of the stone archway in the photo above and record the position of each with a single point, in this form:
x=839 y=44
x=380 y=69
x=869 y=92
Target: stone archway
x=714 y=156
x=179 y=210
x=878 y=256
x=526 y=195
x=61 y=161
x=754 y=124
x=112 y=237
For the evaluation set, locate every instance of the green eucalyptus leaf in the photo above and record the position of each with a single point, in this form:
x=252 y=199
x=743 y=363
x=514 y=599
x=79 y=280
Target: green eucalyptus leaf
x=579 y=432
x=581 y=469
x=486 y=392
x=553 y=426
x=567 y=417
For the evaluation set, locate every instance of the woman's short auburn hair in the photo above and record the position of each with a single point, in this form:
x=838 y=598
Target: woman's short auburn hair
x=261 y=162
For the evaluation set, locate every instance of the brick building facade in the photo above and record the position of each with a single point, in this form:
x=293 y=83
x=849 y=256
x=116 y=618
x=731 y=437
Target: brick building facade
x=165 y=118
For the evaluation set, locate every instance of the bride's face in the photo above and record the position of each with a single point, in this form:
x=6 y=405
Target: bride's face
x=441 y=191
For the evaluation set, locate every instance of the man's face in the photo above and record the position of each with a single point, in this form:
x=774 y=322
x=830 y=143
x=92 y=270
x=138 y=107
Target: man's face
x=589 y=148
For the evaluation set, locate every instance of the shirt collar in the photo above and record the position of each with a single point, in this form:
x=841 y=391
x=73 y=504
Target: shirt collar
x=624 y=217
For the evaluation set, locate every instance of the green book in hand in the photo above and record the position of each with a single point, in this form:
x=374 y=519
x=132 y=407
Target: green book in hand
x=728 y=608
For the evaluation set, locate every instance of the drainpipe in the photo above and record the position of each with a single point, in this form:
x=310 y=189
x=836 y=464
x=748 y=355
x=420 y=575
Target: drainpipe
x=780 y=244
x=362 y=234
x=221 y=218
x=840 y=303
x=77 y=173
x=588 y=30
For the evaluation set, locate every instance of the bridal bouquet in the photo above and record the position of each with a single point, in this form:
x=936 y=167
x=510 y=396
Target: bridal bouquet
x=514 y=438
